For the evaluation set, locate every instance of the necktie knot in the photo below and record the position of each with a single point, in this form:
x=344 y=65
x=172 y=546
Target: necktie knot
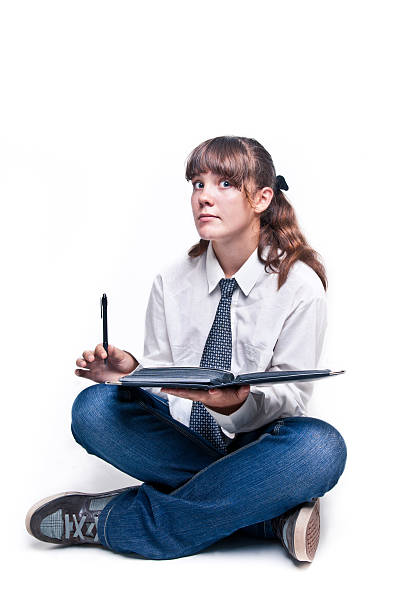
x=228 y=286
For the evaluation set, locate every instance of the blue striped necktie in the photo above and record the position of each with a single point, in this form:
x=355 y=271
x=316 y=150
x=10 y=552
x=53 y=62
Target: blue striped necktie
x=217 y=353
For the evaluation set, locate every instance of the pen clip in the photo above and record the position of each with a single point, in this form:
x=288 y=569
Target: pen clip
x=103 y=302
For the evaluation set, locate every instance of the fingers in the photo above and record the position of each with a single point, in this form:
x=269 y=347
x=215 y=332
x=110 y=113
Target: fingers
x=213 y=397
x=92 y=359
x=192 y=394
x=113 y=352
x=88 y=356
x=197 y=395
x=91 y=356
x=100 y=352
x=83 y=373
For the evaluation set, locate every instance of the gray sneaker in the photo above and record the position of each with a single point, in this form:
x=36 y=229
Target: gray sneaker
x=299 y=530
x=69 y=518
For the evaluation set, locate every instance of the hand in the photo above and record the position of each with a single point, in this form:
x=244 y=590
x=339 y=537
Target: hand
x=225 y=400
x=119 y=364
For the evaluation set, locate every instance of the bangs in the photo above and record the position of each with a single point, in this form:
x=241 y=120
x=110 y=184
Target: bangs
x=225 y=156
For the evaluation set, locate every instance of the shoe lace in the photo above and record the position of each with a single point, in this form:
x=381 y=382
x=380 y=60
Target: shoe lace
x=76 y=523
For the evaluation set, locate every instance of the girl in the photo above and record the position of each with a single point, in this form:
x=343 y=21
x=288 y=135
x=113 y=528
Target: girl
x=249 y=296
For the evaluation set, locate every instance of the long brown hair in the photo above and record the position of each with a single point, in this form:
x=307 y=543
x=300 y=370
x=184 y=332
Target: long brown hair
x=248 y=165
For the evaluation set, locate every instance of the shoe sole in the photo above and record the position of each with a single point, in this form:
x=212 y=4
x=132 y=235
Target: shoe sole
x=307 y=532
x=43 y=502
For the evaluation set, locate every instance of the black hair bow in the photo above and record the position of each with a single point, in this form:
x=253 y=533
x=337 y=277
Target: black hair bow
x=281 y=183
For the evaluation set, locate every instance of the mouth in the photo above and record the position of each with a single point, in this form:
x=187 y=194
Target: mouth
x=207 y=217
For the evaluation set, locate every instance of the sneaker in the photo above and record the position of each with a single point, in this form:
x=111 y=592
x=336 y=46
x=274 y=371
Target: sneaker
x=299 y=530
x=69 y=518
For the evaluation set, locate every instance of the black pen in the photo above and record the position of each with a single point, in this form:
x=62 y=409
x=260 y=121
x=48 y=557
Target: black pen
x=103 y=305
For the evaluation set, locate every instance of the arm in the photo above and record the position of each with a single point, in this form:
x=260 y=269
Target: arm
x=298 y=347
x=157 y=349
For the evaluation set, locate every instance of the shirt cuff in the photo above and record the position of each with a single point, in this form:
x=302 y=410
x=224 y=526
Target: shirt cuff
x=234 y=422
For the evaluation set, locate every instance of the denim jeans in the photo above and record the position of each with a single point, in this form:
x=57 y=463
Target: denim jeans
x=193 y=495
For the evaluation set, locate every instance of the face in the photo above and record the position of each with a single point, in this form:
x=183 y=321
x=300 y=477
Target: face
x=221 y=212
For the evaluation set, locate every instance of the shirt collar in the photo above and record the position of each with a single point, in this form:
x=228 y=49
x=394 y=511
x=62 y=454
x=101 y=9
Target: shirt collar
x=246 y=276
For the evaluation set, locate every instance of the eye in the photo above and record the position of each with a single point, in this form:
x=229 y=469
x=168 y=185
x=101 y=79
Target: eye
x=226 y=181
x=195 y=182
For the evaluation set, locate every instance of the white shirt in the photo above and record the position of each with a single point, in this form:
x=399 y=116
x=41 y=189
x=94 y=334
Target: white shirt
x=271 y=330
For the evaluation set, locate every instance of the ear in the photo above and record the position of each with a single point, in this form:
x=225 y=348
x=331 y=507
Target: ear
x=262 y=199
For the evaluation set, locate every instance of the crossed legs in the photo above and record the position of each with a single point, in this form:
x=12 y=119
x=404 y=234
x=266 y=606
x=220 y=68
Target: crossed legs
x=193 y=495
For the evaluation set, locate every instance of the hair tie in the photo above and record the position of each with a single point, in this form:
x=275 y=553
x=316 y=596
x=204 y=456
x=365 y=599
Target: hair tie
x=281 y=183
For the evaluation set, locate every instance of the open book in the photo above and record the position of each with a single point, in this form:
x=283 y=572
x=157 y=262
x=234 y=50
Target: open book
x=211 y=378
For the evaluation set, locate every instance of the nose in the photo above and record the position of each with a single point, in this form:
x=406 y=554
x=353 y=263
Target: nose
x=205 y=197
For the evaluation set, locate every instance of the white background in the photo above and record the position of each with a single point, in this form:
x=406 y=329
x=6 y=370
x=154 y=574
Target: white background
x=101 y=104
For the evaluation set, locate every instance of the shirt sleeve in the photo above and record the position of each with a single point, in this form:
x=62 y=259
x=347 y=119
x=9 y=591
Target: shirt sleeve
x=299 y=347
x=157 y=348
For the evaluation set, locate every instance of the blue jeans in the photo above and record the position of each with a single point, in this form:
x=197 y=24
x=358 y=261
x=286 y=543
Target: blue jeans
x=193 y=495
